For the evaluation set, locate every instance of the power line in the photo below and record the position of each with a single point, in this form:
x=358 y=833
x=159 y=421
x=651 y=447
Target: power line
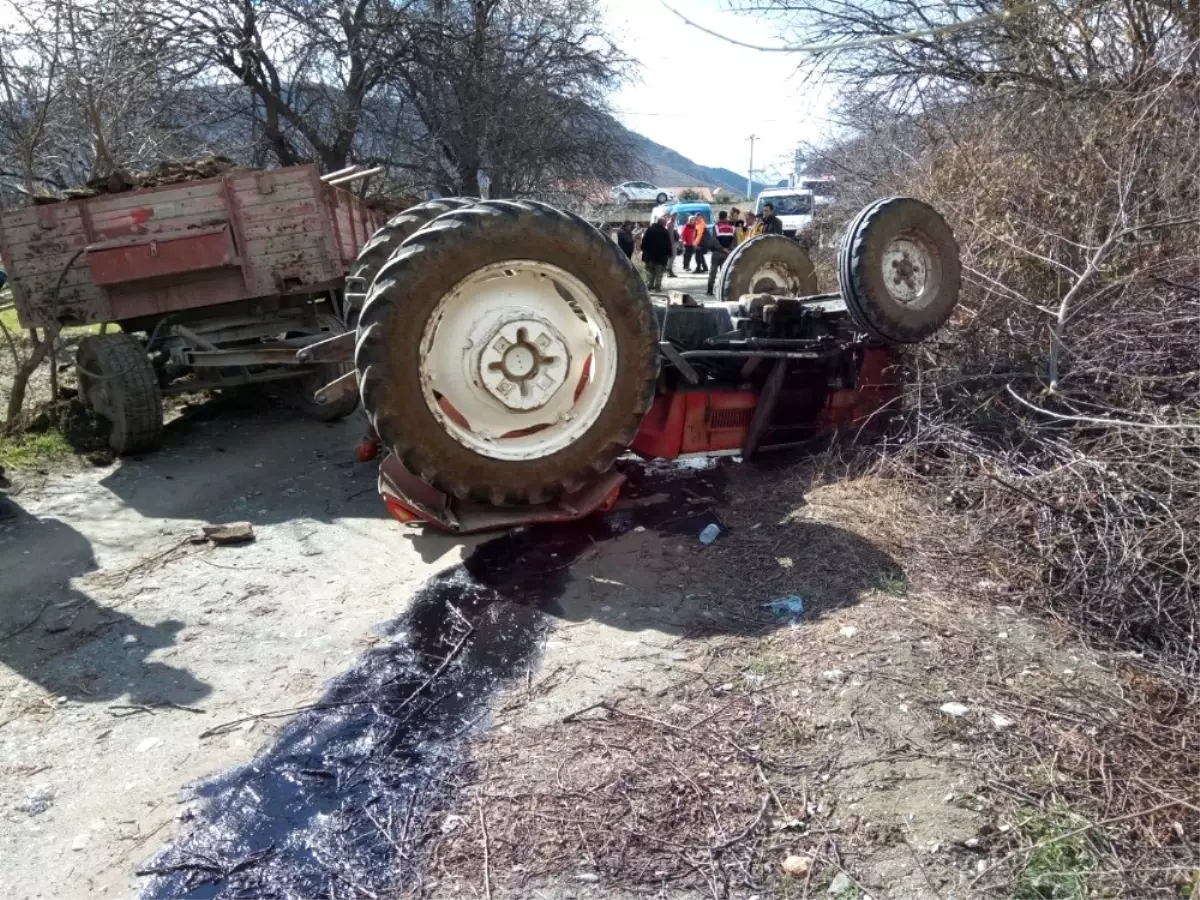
x=865 y=42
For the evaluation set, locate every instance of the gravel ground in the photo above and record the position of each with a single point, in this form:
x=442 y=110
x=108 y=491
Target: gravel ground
x=121 y=642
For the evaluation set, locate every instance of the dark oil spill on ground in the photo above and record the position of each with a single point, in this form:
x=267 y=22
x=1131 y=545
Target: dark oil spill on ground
x=334 y=806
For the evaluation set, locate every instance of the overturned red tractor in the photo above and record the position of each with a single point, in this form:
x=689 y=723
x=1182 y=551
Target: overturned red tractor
x=507 y=353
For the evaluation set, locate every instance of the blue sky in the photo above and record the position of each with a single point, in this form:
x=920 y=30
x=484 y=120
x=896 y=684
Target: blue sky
x=703 y=97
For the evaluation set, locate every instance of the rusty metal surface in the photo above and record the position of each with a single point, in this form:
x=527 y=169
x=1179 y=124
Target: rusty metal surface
x=241 y=236
x=338 y=388
x=266 y=356
x=339 y=348
x=429 y=506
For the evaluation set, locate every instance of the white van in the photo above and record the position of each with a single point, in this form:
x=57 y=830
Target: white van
x=793 y=206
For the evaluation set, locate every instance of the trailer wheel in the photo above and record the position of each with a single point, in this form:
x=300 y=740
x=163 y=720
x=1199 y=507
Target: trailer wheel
x=118 y=381
x=301 y=392
x=767 y=264
x=898 y=270
x=506 y=353
x=383 y=244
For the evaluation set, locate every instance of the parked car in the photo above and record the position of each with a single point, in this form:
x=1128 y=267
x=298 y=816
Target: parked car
x=682 y=211
x=640 y=191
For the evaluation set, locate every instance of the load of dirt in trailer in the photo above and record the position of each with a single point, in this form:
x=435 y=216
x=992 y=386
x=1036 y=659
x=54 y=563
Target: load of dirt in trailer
x=167 y=172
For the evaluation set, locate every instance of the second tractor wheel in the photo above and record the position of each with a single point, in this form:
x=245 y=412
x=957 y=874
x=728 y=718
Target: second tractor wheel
x=506 y=353
x=767 y=264
x=118 y=382
x=899 y=271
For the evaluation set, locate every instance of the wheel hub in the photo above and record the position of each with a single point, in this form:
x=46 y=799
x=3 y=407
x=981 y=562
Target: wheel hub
x=771 y=279
x=905 y=266
x=518 y=360
x=523 y=363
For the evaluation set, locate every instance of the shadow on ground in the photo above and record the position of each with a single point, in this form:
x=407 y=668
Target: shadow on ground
x=334 y=805
x=62 y=639
x=239 y=455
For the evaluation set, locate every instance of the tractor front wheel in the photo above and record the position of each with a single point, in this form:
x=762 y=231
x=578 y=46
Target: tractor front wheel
x=899 y=271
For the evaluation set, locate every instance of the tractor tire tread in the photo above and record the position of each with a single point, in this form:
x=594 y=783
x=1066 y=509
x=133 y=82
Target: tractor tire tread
x=407 y=290
x=748 y=255
x=384 y=242
x=854 y=267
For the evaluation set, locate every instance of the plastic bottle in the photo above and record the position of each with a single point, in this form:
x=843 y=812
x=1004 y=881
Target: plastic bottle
x=709 y=534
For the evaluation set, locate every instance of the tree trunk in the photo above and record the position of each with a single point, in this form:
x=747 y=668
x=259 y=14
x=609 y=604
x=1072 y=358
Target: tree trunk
x=16 y=399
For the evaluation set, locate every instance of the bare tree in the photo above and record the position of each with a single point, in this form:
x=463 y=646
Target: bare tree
x=310 y=68
x=30 y=70
x=513 y=91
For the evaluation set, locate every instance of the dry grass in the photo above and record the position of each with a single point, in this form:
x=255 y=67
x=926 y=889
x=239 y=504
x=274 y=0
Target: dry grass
x=754 y=754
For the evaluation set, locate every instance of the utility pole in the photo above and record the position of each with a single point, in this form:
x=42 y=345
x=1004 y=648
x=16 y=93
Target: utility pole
x=750 y=171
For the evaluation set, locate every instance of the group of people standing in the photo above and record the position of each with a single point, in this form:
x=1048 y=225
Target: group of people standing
x=709 y=245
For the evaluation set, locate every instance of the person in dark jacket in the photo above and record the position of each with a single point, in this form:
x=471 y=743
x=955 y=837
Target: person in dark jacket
x=625 y=239
x=656 y=253
x=726 y=230
x=770 y=221
x=711 y=241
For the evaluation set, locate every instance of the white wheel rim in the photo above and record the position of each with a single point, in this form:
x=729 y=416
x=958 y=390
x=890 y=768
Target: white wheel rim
x=911 y=270
x=518 y=360
x=774 y=278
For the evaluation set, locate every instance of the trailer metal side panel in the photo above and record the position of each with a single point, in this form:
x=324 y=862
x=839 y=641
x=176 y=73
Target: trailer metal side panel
x=241 y=236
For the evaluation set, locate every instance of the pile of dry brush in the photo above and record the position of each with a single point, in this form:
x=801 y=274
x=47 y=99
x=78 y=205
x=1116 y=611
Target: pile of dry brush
x=1060 y=414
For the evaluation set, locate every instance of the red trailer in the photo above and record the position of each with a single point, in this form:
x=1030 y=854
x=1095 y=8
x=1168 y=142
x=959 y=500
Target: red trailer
x=212 y=283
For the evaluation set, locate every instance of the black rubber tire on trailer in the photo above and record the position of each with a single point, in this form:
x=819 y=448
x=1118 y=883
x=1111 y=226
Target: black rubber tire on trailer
x=388 y=238
x=300 y=392
x=750 y=257
x=923 y=253
x=118 y=381
x=660 y=199
x=408 y=290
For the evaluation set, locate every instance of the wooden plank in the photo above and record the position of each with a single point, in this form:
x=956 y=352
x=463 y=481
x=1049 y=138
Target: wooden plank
x=23 y=234
x=210 y=288
x=164 y=215
x=44 y=283
x=256 y=231
x=276 y=177
x=285 y=193
x=308 y=269
x=185 y=192
x=305 y=242
x=46 y=265
x=32 y=216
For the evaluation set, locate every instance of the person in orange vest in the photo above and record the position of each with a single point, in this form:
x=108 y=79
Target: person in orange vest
x=701 y=227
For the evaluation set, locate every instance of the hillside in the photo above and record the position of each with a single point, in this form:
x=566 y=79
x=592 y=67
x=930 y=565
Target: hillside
x=669 y=167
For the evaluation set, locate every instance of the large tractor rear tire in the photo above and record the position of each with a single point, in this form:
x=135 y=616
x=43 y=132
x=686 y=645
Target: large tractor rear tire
x=506 y=353
x=899 y=271
x=384 y=242
x=118 y=381
x=767 y=264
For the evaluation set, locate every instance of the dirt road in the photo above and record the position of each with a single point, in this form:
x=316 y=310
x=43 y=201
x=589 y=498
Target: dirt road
x=121 y=643
x=341 y=709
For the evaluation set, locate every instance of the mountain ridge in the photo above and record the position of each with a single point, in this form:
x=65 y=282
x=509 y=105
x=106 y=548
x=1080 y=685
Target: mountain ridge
x=670 y=168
